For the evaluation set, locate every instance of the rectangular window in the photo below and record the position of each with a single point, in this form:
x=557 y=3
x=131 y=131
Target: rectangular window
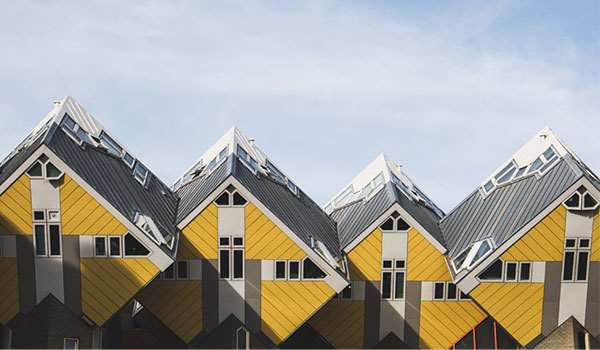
x=114 y=246
x=169 y=273
x=40 y=240
x=238 y=264
x=140 y=173
x=294 y=270
x=54 y=241
x=525 y=273
x=224 y=263
x=438 y=291
x=71 y=344
x=238 y=241
x=224 y=241
x=182 y=270
x=280 y=270
x=346 y=293
x=387 y=264
x=511 y=271
x=568 y=265
x=100 y=246
x=386 y=285
x=451 y=291
x=582 y=266
x=38 y=215
x=463 y=296
x=399 y=286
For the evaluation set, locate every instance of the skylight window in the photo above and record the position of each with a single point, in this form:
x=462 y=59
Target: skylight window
x=218 y=159
x=247 y=159
x=148 y=225
x=111 y=145
x=349 y=196
x=277 y=175
x=140 y=173
x=401 y=186
x=472 y=255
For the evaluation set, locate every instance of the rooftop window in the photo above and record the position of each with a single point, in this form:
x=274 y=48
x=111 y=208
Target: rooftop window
x=247 y=159
x=472 y=255
x=140 y=173
x=217 y=160
x=148 y=225
x=349 y=196
x=581 y=200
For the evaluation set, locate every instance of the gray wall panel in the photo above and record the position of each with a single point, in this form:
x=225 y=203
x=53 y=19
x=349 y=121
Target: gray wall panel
x=26 y=272
x=71 y=273
x=551 y=296
x=253 y=287
x=372 y=301
x=592 y=312
x=210 y=295
x=412 y=314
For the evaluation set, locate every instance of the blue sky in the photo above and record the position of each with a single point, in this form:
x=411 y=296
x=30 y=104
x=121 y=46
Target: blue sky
x=448 y=89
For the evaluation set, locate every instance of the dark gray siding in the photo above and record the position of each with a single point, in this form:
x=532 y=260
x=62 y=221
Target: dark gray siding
x=506 y=210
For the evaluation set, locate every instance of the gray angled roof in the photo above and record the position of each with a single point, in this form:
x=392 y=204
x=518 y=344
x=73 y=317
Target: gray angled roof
x=507 y=209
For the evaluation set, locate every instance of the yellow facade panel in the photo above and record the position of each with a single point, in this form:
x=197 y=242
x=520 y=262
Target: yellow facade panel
x=264 y=240
x=364 y=261
x=595 y=254
x=107 y=284
x=544 y=242
x=285 y=305
x=199 y=237
x=178 y=304
x=443 y=323
x=15 y=208
x=424 y=262
x=341 y=323
x=516 y=306
x=81 y=214
x=9 y=289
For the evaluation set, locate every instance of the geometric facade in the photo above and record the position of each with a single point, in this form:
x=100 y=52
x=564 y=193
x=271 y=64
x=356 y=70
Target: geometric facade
x=97 y=252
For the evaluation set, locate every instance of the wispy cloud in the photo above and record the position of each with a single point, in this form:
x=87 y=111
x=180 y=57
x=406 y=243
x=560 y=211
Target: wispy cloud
x=324 y=86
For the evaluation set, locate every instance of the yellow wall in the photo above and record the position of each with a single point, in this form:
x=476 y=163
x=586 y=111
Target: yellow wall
x=595 y=255
x=15 y=208
x=178 y=304
x=424 y=262
x=107 y=284
x=544 y=242
x=285 y=305
x=9 y=289
x=341 y=323
x=443 y=323
x=199 y=238
x=83 y=215
x=364 y=261
x=264 y=240
x=516 y=306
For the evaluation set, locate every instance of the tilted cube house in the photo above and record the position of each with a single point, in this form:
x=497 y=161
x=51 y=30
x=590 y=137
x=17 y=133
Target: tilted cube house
x=97 y=252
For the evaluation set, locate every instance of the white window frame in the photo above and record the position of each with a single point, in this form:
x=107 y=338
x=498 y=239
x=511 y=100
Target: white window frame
x=237 y=341
x=521 y=263
x=289 y=275
x=231 y=248
x=395 y=224
x=135 y=173
x=127 y=256
x=505 y=272
x=70 y=338
x=120 y=255
x=311 y=279
x=393 y=270
x=105 y=247
x=285 y=270
x=46 y=223
x=443 y=284
x=576 y=250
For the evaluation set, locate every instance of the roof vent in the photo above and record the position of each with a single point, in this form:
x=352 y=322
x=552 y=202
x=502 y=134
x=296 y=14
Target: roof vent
x=56 y=103
x=251 y=141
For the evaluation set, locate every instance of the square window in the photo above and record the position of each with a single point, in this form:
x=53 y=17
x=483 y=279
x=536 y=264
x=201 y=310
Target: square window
x=570 y=243
x=584 y=243
x=224 y=241
x=387 y=264
x=238 y=241
x=39 y=215
x=400 y=264
x=114 y=246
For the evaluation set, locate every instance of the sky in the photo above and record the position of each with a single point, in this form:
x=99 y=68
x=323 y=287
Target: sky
x=450 y=90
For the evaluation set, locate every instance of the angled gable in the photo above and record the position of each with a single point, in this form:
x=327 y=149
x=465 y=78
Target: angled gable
x=15 y=208
x=424 y=261
x=364 y=261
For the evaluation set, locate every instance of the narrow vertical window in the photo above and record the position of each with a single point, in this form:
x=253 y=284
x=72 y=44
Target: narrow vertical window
x=438 y=291
x=582 y=266
x=294 y=270
x=40 y=239
x=568 y=266
x=386 y=285
x=399 y=286
x=71 y=344
x=280 y=270
x=511 y=271
x=114 y=246
x=238 y=263
x=224 y=263
x=242 y=339
x=54 y=241
x=169 y=273
x=182 y=270
x=100 y=246
x=525 y=273
x=451 y=291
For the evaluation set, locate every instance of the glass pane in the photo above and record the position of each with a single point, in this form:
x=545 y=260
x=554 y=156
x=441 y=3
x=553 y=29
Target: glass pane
x=365 y=191
x=548 y=165
x=54 y=239
x=535 y=166
x=549 y=153
x=483 y=249
x=492 y=273
x=110 y=144
x=458 y=261
x=223 y=153
x=128 y=158
x=387 y=264
x=400 y=264
x=38 y=215
x=224 y=241
x=311 y=271
x=100 y=246
x=294 y=270
x=238 y=241
x=223 y=199
x=40 y=239
x=52 y=171
x=503 y=171
x=573 y=202
x=35 y=170
x=386 y=285
x=169 y=273
x=451 y=292
x=570 y=243
x=511 y=271
x=69 y=122
x=582 y=266
x=115 y=246
x=378 y=180
x=388 y=225
x=402 y=225
x=438 y=291
x=568 y=266
x=238 y=199
x=463 y=296
x=280 y=269
x=224 y=263
x=241 y=339
x=525 y=272
x=134 y=247
x=242 y=152
x=399 y=287
x=520 y=172
x=238 y=263
x=182 y=269
x=584 y=243
x=71 y=344
x=275 y=172
x=488 y=186
x=589 y=201
x=291 y=186
x=507 y=176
